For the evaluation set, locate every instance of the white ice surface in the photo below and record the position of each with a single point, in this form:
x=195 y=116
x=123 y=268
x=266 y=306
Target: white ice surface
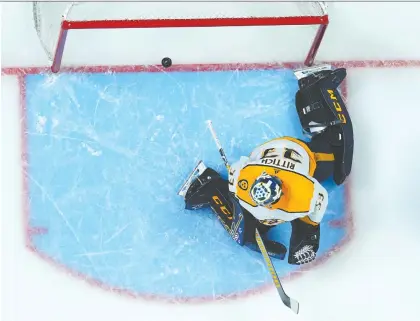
x=375 y=277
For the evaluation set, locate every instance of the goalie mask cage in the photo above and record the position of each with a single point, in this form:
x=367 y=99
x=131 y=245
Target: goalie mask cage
x=290 y=31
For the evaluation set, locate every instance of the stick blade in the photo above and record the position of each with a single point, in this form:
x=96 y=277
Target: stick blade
x=287 y=301
x=294 y=306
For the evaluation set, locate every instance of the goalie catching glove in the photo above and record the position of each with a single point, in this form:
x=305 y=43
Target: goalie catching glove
x=304 y=242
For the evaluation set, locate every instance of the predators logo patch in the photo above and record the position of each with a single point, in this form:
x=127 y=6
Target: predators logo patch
x=243 y=184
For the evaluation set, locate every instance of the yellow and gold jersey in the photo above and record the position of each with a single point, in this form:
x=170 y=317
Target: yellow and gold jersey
x=294 y=164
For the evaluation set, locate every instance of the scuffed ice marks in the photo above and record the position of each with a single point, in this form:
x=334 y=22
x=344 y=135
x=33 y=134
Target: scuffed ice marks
x=43 y=124
x=91 y=150
x=40 y=124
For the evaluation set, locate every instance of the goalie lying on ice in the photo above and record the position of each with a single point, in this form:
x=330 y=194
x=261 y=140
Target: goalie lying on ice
x=280 y=180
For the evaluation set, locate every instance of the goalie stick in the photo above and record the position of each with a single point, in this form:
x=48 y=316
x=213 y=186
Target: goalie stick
x=288 y=301
x=219 y=146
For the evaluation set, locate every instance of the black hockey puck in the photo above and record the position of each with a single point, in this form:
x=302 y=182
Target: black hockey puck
x=166 y=62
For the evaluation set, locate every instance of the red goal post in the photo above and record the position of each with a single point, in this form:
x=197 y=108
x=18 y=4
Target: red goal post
x=53 y=20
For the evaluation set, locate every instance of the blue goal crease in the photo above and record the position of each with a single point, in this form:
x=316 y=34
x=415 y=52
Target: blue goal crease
x=108 y=153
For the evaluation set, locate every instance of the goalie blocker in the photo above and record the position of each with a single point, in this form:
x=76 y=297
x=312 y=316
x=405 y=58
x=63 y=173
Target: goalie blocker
x=324 y=118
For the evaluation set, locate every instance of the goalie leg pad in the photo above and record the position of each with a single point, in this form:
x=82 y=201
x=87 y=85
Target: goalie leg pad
x=321 y=109
x=196 y=172
x=206 y=188
x=203 y=189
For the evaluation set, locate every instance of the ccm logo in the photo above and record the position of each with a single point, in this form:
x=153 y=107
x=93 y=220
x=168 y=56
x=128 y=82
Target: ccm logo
x=222 y=207
x=337 y=106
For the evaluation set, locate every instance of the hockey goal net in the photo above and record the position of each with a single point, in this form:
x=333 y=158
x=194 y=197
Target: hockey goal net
x=115 y=33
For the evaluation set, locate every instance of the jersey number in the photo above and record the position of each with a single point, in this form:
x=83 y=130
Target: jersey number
x=292 y=155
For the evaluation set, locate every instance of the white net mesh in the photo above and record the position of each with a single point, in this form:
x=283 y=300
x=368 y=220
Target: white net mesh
x=49 y=15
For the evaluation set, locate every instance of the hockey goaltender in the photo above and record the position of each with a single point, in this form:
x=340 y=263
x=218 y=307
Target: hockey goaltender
x=280 y=181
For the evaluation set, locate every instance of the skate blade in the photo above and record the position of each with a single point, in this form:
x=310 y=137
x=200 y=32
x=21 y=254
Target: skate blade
x=197 y=171
x=304 y=72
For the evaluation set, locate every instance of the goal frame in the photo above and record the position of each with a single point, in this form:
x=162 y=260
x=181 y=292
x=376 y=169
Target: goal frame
x=321 y=20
